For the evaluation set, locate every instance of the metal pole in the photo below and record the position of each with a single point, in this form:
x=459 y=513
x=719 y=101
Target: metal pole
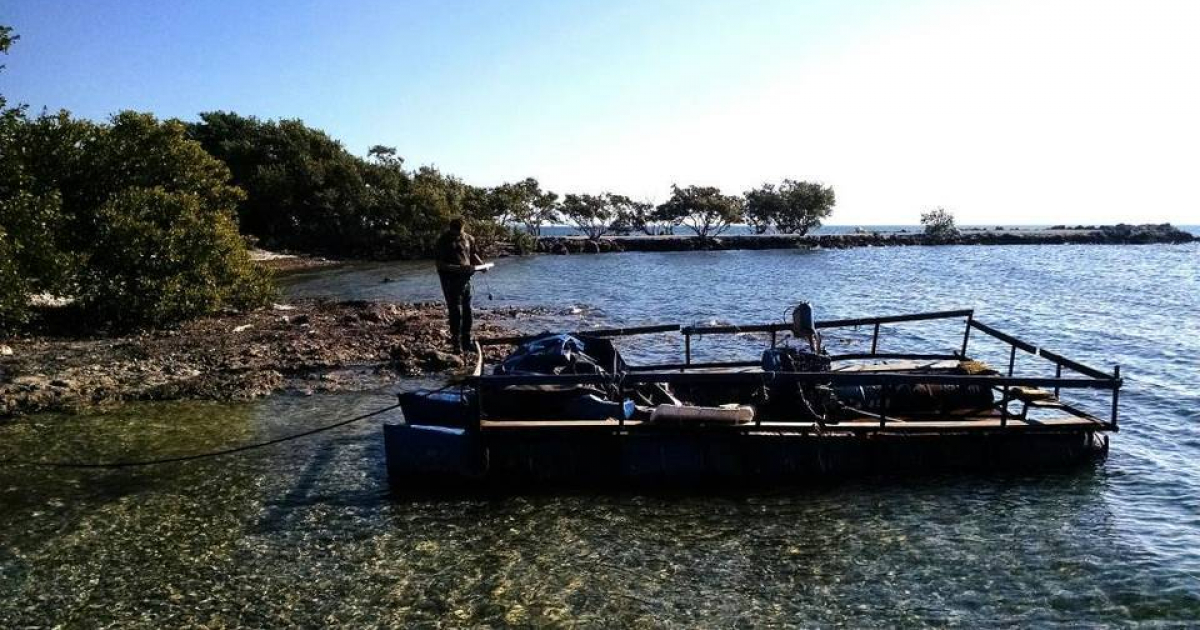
x=967 y=334
x=1012 y=360
x=1116 y=395
x=1004 y=407
x=687 y=349
x=883 y=404
x=1057 y=374
x=875 y=338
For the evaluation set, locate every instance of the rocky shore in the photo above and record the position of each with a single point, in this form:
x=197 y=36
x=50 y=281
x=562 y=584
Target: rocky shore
x=1092 y=235
x=301 y=347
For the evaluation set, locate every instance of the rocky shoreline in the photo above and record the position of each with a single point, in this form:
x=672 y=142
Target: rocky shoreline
x=303 y=347
x=1121 y=234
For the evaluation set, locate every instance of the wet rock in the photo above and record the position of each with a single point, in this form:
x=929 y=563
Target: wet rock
x=5 y=351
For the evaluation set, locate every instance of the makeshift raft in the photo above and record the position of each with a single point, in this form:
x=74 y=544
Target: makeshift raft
x=601 y=421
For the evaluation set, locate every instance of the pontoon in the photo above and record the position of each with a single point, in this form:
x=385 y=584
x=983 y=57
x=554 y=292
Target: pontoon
x=567 y=408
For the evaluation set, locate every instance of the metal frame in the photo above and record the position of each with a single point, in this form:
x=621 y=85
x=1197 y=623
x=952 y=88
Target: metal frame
x=666 y=373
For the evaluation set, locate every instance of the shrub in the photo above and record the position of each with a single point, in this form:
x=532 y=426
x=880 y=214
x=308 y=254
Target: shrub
x=939 y=224
x=131 y=217
x=163 y=257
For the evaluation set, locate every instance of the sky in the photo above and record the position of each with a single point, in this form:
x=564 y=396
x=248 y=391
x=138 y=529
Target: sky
x=1005 y=112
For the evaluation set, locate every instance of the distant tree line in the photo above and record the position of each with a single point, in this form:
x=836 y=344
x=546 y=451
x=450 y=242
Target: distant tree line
x=144 y=221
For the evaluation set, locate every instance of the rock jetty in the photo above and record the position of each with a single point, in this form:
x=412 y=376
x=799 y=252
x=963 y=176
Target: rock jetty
x=1121 y=234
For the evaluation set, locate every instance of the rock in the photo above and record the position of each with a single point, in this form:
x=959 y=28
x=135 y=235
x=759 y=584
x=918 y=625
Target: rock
x=282 y=307
x=436 y=360
x=300 y=319
x=242 y=328
x=6 y=351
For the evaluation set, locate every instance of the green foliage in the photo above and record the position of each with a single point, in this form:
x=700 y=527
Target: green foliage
x=643 y=217
x=163 y=257
x=306 y=192
x=6 y=40
x=702 y=208
x=524 y=203
x=83 y=210
x=792 y=207
x=939 y=224
x=597 y=215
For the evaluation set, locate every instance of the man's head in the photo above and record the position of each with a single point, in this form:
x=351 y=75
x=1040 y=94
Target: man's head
x=457 y=224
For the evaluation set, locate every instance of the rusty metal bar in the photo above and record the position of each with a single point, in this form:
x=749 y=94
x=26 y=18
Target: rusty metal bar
x=875 y=339
x=695 y=366
x=846 y=378
x=1012 y=360
x=599 y=332
x=1074 y=365
x=1005 y=337
x=1034 y=350
x=832 y=323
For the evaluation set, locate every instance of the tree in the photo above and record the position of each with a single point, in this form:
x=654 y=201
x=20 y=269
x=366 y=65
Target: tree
x=31 y=219
x=526 y=203
x=702 y=208
x=939 y=224
x=130 y=217
x=596 y=215
x=644 y=217
x=792 y=207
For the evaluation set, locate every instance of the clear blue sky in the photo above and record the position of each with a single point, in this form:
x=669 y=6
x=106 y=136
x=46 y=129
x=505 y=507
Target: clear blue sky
x=1029 y=112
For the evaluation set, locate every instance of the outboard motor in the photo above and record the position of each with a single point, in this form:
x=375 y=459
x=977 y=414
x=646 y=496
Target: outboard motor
x=804 y=326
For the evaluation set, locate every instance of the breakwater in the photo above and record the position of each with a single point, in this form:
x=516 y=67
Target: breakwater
x=1121 y=234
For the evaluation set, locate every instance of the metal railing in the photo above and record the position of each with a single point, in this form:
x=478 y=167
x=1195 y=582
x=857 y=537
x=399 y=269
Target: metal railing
x=678 y=373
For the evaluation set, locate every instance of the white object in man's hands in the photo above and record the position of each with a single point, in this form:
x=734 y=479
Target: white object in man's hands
x=483 y=267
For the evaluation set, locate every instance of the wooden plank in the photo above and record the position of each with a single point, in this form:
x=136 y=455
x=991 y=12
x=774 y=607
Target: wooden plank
x=898 y=366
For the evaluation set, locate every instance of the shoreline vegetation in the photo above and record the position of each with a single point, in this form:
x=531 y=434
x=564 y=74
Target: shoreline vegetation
x=1121 y=234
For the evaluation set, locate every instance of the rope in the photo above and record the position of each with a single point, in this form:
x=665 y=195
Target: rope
x=188 y=458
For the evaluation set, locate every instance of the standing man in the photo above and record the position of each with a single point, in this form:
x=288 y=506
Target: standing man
x=456 y=260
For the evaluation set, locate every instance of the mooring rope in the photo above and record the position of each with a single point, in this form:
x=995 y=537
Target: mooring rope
x=196 y=456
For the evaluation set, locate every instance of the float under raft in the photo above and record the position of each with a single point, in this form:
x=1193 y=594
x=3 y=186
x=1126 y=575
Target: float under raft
x=861 y=413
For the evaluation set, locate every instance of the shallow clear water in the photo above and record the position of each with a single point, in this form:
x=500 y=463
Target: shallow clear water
x=306 y=532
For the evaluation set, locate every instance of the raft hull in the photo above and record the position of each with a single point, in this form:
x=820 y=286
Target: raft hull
x=421 y=457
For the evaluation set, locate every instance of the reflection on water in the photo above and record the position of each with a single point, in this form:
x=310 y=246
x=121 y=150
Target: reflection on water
x=306 y=533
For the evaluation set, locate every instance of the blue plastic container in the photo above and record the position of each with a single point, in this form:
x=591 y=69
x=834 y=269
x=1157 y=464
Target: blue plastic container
x=448 y=408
